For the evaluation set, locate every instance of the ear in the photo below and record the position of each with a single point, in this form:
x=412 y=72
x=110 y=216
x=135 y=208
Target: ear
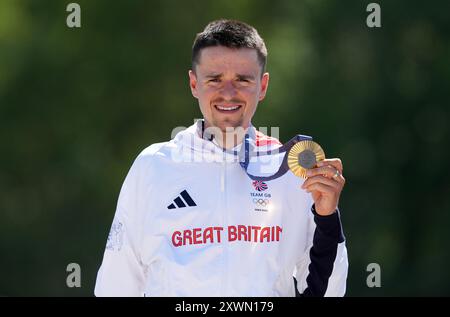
x=263 y=86
x=193 y=83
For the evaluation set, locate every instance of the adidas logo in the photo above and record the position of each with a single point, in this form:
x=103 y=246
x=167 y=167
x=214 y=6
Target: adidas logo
x=181 y=203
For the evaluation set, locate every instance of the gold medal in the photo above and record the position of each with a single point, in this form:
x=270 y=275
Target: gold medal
x=304 y=155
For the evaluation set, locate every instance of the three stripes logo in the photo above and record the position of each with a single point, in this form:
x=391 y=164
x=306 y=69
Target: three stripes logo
x=183 y=200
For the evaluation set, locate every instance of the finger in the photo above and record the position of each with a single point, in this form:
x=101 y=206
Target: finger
x=320 y=179
x=322 y=188
x=338 y=178
x=335 y=162
x=327 y=170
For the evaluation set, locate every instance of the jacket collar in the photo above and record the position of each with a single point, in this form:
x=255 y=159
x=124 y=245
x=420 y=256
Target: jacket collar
x=198 y=146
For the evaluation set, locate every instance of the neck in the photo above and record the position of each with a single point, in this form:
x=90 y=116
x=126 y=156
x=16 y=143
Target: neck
x=228 y=138
x=231 y=139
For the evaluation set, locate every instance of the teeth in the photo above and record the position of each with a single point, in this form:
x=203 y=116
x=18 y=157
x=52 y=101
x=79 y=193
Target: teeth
x=227 y=108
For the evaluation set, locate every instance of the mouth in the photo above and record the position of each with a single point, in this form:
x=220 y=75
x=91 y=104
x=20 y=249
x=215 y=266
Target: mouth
x=228 y=109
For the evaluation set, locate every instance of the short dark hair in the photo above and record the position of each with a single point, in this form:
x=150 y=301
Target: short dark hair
x=232 y=34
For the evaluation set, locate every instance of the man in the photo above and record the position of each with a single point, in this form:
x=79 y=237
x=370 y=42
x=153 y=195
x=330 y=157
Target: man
x=190 y=221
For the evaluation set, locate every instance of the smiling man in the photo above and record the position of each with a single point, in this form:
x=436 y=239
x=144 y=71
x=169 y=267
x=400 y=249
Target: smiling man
x=228 y=82
x=203 y=227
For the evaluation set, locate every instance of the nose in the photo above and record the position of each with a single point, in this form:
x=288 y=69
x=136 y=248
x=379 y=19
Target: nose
x=228 y=90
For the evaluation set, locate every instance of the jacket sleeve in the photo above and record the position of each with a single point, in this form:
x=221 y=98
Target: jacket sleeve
x=121 y=272
x=322 y=270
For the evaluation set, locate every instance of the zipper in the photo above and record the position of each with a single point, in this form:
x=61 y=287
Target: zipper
x=222 y=178
x=224 y=289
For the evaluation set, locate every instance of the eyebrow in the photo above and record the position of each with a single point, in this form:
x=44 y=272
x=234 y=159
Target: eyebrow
x=239 y=76
x=246 y=77
x=213 y=76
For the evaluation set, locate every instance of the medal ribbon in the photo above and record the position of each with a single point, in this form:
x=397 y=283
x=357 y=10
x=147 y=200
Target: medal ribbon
x=284 y=148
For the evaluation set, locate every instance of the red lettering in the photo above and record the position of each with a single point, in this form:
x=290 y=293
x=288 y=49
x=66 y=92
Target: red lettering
x=279 y=230
x=218 y=230
x=242 y=231
x=232 y=236
x=187 y=235
x=208 y=234
x=176 y=239
x=265 y=233
x=256 y=229
x=197 y=235
x=239 y=232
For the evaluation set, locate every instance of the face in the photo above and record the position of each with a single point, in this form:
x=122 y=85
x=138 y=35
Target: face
x=228 y=85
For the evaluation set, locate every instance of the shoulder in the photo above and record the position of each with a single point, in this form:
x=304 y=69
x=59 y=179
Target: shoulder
x=147 y=166
x=153 y=153
x=154 y=150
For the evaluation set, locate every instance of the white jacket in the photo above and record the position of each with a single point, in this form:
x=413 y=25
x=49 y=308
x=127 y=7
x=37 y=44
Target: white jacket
x=190 y=222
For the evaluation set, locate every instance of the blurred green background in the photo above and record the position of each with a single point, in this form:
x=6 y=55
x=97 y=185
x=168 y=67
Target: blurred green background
x=78 y=105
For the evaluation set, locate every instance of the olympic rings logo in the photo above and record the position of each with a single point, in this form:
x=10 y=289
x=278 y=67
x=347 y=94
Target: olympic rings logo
x=261 y=202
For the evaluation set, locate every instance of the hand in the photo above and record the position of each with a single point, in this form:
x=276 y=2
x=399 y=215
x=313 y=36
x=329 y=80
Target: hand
x=325 y=182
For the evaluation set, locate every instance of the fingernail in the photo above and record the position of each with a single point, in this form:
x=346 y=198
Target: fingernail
x=308 y=173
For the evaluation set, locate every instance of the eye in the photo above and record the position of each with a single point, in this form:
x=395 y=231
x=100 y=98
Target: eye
x=214 y=80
